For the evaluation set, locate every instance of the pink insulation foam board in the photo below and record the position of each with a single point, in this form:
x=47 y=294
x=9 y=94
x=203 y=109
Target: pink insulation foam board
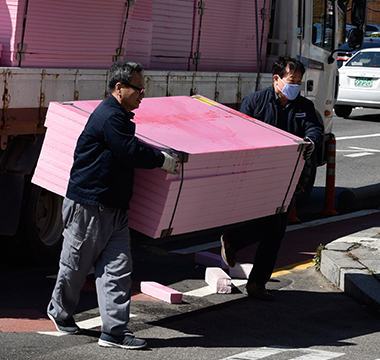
x=209 y=259
x=161 y=292
x=218 y=280
x=235 y=168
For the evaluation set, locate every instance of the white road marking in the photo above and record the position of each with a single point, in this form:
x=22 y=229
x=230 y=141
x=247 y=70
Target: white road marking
x=238 y=282
x=359 y=154
x=364 y=149
x=358 y=151
x=263 y=352
x=203 y=291
x=85 y=325
x=208 y=290
x=356 y=137
x=90 y=323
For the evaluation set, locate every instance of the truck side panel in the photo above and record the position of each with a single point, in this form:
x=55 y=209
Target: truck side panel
x=162 y=35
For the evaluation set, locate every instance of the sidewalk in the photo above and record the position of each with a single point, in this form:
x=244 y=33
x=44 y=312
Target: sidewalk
x=352 y=263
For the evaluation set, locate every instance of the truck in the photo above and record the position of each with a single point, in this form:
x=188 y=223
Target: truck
x=60 y=51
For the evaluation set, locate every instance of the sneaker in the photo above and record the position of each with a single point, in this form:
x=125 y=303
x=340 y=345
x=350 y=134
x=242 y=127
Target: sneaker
x=258 y=292
x=68 y=326
x=227 y=252
x=128 y=341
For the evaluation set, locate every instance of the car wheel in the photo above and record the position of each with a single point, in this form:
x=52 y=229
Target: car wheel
x=42 y=225
x=343 y=111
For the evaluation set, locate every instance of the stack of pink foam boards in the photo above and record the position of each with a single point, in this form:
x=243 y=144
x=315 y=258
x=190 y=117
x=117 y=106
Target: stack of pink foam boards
x=235 y=168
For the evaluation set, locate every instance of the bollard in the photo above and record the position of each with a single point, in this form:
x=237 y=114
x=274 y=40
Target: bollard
x=293 y=219
x=330 y=178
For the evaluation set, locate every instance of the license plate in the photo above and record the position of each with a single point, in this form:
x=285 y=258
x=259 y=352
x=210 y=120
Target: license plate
x=363 y=82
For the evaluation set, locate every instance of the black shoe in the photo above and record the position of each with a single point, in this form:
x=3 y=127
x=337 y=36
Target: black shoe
x=227 y=252
x=258 y=292
x=122 y=341
x=68 y=326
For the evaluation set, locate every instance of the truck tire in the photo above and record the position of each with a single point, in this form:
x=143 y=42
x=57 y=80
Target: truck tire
x=343 y=111
x=43 y=225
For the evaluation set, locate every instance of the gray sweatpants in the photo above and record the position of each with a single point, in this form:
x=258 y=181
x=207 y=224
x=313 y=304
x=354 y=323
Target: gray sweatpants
x=99 y=237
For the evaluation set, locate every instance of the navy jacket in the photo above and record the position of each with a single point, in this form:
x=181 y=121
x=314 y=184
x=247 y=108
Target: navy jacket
x=302 y=119
x=105 y=157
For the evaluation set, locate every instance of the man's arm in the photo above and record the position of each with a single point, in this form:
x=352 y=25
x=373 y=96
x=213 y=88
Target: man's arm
x=127 y=148
x=246 y=106
x=314 y=130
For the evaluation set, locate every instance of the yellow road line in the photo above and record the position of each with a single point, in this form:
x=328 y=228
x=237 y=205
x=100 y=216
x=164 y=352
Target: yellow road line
x=287 y=269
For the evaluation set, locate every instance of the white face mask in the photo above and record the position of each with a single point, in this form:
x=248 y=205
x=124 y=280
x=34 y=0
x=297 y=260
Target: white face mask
x=290 y=91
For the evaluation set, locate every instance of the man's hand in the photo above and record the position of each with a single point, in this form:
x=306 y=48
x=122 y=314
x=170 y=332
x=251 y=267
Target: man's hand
x=309 y=148
x=170 y=163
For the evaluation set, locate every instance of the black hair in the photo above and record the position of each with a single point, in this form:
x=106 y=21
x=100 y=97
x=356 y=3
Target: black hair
x=121 y=71
x=285 y=64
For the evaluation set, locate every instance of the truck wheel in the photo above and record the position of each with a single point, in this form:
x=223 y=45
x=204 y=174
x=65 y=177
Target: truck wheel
x=44 y=225
x=343 y=111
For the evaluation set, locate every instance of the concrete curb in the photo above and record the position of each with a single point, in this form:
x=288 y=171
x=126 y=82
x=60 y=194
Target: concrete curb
x=352 y=263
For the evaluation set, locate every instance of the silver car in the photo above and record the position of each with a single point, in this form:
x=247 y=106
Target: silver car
x=359 y=82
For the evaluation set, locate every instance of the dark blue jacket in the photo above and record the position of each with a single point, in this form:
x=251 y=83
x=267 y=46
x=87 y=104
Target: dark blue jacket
x=302 y=119
x=105 y=157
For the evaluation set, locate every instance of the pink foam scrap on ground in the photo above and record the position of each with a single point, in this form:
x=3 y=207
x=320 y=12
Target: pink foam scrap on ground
x=218 y=280
x=209 y=259
x=161 y=292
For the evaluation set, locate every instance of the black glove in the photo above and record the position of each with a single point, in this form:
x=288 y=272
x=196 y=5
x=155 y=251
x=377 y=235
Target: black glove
x=309 y=148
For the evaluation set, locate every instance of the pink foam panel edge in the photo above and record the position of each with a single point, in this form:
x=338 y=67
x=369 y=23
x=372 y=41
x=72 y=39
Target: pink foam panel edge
x=161 y=292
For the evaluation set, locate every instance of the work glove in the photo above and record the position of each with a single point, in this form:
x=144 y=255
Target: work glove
x=309 y=148
x=170 y=163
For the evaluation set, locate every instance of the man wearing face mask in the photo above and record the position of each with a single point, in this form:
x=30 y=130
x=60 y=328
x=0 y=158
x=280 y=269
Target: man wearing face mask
x=282 y=106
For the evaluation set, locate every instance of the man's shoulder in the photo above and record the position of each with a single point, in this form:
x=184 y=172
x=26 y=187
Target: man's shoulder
x=260 y=94
x=110 y=107
x=305 y=101
x=107 y=103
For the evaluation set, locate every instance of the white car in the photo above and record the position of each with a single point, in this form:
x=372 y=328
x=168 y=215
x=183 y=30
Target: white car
x=359 y=82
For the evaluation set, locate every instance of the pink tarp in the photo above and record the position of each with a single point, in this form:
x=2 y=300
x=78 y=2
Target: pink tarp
x=237 y=168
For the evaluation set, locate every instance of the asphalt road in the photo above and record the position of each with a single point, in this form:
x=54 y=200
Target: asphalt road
x=357 y=150
x=309 y=319
x=309 y=316
x=357 y=164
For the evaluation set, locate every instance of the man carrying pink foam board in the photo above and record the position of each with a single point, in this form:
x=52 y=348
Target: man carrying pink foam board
x=282 y=106
x=95 y=219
